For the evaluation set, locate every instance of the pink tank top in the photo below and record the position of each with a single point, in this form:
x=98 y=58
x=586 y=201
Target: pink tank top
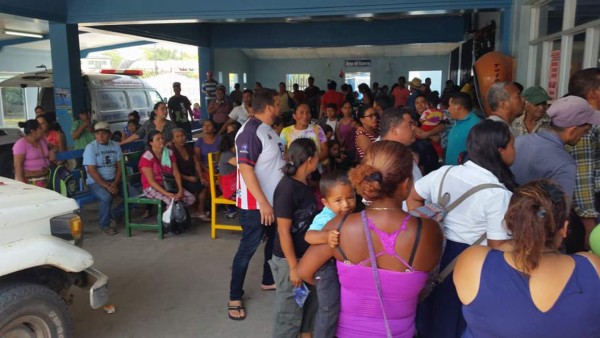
x=360 y=312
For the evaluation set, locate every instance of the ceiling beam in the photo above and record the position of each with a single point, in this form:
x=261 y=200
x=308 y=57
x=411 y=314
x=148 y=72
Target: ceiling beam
x=87 y=51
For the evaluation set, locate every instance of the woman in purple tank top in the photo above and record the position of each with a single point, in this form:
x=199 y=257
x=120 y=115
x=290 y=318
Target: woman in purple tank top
x=526 y=287
x=403 y=248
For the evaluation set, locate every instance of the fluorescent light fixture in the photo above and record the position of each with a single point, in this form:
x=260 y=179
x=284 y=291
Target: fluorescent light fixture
x=29 y=35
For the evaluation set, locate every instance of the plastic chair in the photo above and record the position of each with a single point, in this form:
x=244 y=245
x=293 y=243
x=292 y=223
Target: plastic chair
x=131 y=179
x=217 y=200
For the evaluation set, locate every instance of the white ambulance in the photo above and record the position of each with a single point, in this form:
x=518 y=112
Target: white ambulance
x=110 y=95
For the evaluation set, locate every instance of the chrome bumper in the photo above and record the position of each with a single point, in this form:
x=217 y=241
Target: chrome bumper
x=99 y=290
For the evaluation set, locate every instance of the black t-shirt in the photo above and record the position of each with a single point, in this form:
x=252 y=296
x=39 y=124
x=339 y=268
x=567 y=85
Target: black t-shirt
x=179 y=105
x=294 y=200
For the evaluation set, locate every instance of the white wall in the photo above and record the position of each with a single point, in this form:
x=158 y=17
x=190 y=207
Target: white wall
x=385 y=70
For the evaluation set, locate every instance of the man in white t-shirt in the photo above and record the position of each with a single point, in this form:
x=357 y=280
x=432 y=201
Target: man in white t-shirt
x=260 y=159
x=241 y=113
x=102 y=161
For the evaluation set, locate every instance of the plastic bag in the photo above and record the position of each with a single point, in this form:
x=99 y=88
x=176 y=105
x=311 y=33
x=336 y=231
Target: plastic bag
x=300 y=294
x=178 y=215
x=166 y=217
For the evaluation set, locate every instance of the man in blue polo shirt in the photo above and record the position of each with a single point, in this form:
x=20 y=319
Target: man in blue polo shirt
x=460 y=111
x=542 y=155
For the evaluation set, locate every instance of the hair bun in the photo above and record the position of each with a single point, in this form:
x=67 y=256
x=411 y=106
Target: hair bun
x=22 y=124
x=375 y=177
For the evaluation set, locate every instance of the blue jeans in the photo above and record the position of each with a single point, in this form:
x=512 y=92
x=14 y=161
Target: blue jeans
x=252 y=233
x=327 y=286
x=105 y=199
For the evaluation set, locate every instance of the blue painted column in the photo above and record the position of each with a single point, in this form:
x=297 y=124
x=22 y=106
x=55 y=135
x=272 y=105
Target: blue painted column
x=206 y=63
x=506 y=24
x=66 y=65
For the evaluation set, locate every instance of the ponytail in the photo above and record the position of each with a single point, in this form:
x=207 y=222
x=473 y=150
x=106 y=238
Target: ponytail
x=299 y=152
x=537 y=212
x=29 y=126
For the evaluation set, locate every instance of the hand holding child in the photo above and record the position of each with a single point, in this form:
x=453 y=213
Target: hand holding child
x=333 y=238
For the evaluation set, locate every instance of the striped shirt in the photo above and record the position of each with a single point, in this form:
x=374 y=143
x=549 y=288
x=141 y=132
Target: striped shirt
x=258 y=146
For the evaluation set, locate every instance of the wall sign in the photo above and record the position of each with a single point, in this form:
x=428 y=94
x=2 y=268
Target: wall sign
x=358 y=63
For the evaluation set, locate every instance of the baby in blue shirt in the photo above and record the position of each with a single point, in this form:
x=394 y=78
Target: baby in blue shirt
x=339 y=199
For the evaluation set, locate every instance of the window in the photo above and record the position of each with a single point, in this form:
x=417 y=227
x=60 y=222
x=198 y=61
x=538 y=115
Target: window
x=300 y=79
x=155 y=97
x=434 y=75
x=138 y=99
x=109 y=100
x=220 y=79
x=245 y=78
x=356 y=78
x=233 y=79
x=13 y=106
x=551 y=17
x=557 y=52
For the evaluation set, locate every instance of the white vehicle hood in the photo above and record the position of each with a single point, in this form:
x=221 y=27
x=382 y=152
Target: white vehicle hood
x=23 y=205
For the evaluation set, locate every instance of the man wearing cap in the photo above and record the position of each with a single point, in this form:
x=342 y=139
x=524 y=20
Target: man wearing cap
x=542 y=154
x=180 y=108
x=586 y=84
x=535 y=117
x=209 y=87
x=101 y=159
x=416 y=89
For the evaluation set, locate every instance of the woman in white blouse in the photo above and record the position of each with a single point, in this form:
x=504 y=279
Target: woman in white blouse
x=490 y=150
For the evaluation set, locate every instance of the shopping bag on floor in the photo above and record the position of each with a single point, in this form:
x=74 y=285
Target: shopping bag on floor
x=166 y=217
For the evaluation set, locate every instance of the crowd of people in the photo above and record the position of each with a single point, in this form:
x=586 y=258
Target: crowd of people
x=405 y=213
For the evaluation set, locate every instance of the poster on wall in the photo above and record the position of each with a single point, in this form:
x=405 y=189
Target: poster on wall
x=553 y=74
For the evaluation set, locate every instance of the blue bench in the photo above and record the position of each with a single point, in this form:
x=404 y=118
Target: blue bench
x=84 y=196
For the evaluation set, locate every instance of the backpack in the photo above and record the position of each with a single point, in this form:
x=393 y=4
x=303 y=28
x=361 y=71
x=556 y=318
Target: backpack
x=65 y=181
x=438 y=211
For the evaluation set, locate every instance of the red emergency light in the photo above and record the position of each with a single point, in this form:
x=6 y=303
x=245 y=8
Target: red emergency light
x=136 y=72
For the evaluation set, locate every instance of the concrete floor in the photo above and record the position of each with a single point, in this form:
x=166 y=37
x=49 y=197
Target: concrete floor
x=176 y=287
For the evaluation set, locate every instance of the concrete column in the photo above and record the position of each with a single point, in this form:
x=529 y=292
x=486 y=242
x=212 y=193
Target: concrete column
x=206 y=63
x=66 y=65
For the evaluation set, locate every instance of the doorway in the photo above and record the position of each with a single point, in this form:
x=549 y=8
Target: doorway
x=356 y=78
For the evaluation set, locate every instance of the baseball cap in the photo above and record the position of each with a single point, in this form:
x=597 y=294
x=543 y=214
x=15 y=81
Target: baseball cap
x=102 y=126
x=572 y=111
x=536 y=95
x=176 y=84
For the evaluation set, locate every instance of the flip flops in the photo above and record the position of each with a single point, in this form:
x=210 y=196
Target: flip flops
x=239 y=309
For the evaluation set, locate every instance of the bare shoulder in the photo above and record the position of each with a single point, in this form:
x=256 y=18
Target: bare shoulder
x=595 y=260
x=473 y=255
x=467 y=272
x=431 y=227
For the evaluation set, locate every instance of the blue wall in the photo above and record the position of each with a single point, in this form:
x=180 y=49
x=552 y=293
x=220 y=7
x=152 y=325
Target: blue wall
x=233 y=61
x=385 y=70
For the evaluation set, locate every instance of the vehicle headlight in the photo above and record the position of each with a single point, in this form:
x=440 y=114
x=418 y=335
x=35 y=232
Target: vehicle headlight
x=68 y=227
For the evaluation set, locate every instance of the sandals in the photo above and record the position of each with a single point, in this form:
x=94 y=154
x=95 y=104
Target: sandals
x=271 y=287
x=239 y=309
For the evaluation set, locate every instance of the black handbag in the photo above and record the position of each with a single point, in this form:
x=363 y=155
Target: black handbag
x=169 y=183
